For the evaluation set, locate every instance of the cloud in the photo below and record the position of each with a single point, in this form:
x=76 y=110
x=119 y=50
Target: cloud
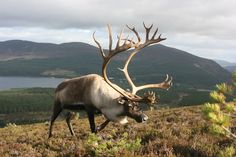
x=46 y=35
x=195 y=25
x=199 y=16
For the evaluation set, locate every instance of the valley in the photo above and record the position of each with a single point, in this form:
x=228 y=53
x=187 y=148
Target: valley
x=76 y=59
x=26 y=104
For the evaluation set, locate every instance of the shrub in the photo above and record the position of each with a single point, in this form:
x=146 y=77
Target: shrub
x=222 y=108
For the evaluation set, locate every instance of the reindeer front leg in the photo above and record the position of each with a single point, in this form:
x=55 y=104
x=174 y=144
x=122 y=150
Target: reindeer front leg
x=92 y=122
x=93 y=127
x=102 y=126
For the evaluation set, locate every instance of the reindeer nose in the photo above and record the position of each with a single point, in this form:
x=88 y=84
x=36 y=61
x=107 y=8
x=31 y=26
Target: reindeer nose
x=144 y=118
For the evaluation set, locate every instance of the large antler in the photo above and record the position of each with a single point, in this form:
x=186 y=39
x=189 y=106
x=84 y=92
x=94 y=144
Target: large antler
x=150 y=97
x=127 y=44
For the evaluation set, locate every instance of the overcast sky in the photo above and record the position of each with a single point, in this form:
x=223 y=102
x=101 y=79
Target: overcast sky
x=206 y=28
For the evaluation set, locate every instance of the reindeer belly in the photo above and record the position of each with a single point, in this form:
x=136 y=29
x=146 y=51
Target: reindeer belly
x=74 y=107
x=113 y=113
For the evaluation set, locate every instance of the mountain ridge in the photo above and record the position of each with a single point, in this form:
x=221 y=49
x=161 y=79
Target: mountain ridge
x=22 y=48
x=152 y=63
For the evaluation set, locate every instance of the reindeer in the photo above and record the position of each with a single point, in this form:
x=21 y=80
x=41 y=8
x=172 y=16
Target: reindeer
x=97 y=93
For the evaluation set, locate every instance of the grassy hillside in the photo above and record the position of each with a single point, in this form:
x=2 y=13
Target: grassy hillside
x=174 y=132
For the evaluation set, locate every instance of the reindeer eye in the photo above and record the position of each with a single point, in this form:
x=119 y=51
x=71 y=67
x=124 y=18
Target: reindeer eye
x=136 y=108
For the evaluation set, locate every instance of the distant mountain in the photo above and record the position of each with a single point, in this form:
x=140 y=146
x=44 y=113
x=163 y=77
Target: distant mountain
x=224 y=63
x=185 y=67
x=231 y=67
x=25 y=58
x=14 y=49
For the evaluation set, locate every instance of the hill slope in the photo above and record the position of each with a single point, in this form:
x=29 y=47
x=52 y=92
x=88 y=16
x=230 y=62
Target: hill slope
x=24 y=58
x=175 y=132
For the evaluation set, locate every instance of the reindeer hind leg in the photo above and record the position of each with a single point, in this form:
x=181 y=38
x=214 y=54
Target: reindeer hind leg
x=69 y=117
x=56 y=111
x=103 y=125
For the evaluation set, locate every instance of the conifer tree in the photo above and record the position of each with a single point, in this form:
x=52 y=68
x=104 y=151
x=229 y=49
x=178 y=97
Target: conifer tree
x=222 y=109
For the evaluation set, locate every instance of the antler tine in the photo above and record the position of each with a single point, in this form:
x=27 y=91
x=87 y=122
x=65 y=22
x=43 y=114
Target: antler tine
x=119 y=38
x=125 y=46
x=154 y=34
x=135 y=32
x=163 y=85
x=147 y=30
x=126 y=73
x=167 y=77
x=126 y=39
x=118 y=48
x=99 y=46
x=110 y=38
x=168 y=81
x=159 y=38
x=129 y=40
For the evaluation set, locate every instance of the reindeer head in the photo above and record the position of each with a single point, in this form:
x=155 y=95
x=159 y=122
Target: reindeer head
x=132 y=110
x=130 y=99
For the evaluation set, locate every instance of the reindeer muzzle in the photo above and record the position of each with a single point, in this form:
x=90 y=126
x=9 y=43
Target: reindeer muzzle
x=144 y=118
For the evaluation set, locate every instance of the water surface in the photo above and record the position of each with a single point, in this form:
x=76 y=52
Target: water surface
x=28 y=82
